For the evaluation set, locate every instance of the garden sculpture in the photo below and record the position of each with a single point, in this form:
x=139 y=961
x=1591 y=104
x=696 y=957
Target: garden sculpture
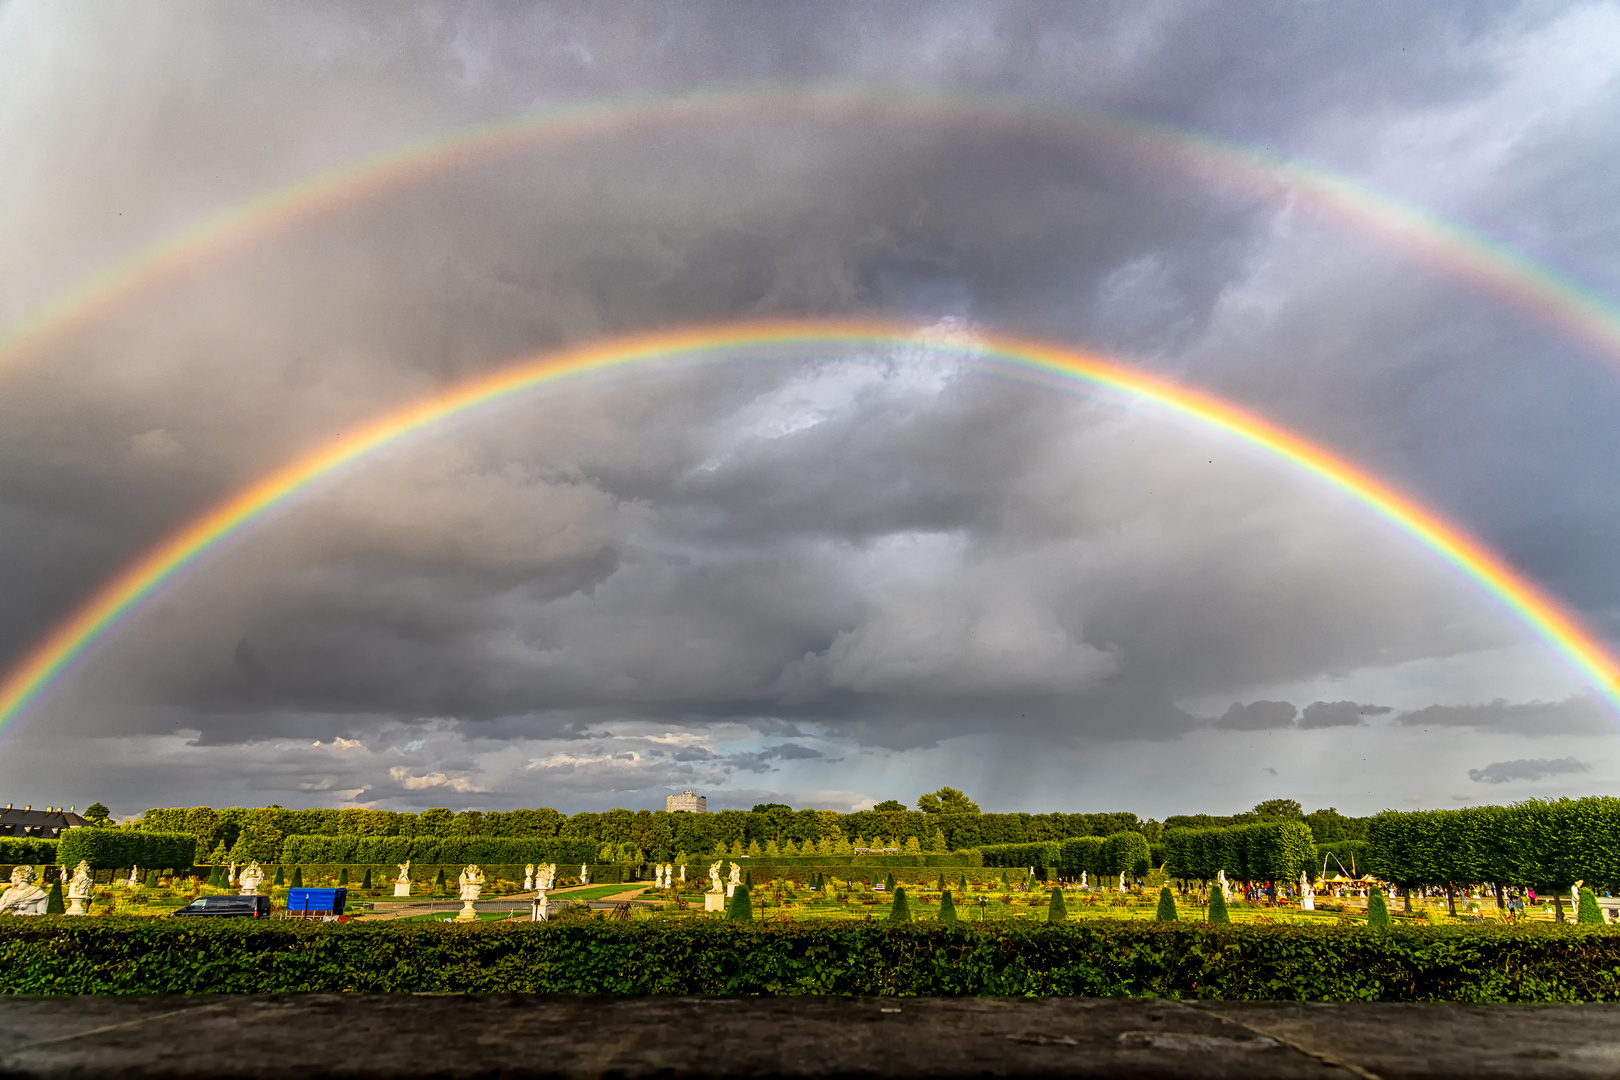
x=134 y=876
x=231 y=877
x=252 y=876
x=80 y=889
x=24 y=897
x=715 y=884
x=736 y=880
x=1307 y=895
x=540 y=908
x=1122 y=881
x=1575 y=895
x=471 y=883
x=1083 y=884
x=1220 y=879
x=547 y=875
x=402 y=884
x=528 y=877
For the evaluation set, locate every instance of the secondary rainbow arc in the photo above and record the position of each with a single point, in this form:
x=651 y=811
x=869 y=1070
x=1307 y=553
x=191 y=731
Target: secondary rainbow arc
x=1564 y=303
x=34 y=674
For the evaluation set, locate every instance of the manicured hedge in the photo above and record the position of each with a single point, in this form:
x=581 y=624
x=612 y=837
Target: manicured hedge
x=1045 y=855
x=105 y=848
x=27 y=849
x=386 y=850
x=927 y=858
x=1264 y=851
x=1545 y=843
x=58 y=955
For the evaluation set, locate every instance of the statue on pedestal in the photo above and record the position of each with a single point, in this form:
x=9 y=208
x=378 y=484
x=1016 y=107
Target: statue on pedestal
x=1220 y=879
x=736 y=880
x=80 y=889
x=471 y=883
x=715 y=883
x=545 y=876
x=24 y=897
x=134 y=877
x=528 y=877
x=1122 y=881
x=584 y=874
x=402 y=884
x=1307 y=895
x=540 y=908
x=231 y=877
x=1083 y=884
x=251 y=877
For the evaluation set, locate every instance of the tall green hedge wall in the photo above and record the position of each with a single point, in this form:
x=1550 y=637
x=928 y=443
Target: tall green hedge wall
x=27 y=849
x=1266 y=851
x=437 y=849
x=103 y=848
x=1101 y=958
x=1547 y=843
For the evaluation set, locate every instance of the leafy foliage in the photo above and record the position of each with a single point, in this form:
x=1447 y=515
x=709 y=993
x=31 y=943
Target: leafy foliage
x=27 y=849
x=1377 y=910
x=1540 y=962
x=1217 y=908
x=108 y=848
x=741 y=908
x=1056 y=910
x=1126 y=852
x=900 y=910
x=1264 y=851
x=1167 y=905
x=947 y=908
x=1545 y=843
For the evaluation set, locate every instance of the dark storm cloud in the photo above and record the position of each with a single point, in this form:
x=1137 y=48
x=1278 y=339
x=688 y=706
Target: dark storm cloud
x=1257 y=716
x=1322 y=714
x=858 y=543
x=1581 y=715
x=1500 y=772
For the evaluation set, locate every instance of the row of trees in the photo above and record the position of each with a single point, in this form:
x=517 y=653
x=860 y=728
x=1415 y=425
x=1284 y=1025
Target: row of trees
x=1547 y=844
x=1124 y=852
x=1260 y=851
x=947 y=820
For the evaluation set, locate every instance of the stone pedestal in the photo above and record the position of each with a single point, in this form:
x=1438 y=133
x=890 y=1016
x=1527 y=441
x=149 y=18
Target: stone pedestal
x=402 y=888
x=467 y=912
x=76 y=907
x=1307 y=903
x=714 y=901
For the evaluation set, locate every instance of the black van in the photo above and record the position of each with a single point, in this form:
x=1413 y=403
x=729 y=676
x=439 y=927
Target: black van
x=251 y=907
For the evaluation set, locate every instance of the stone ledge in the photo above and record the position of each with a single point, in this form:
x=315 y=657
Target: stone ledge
x=364 y=1036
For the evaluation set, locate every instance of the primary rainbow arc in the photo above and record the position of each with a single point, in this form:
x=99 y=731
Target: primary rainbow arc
x=119 y=598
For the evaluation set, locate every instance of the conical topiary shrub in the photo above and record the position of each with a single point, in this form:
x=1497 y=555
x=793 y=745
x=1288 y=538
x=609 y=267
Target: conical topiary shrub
x=1167 y=905
x=343 y=876
x=947 y=908
x=1589 y=912
x=741 y=908
x=1005 y=884
x=438 y=882
x=748 y=879
x=1217 y=907
x=298 y=877
x=1057 y=911
x=901 y=911
x=942 y=881
x=366 y=881
x=1377 y=910
x=54 y=905
x=281 y=877
x=888 y=883
x=961 y=886
x=151 y=879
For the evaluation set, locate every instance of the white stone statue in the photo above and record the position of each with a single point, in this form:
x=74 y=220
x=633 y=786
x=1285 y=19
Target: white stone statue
x=736 y=880
x=715 y=884
x=584 y=874
x=1122 y=881
x=471 y=883
x=402 y=884
x=1220 y=879
x=134 y=877
x=683 y=874
x=1083 y=884
x=24 y=897
x=528 y=877
x=1575 y=897
x=1307 y=895
x=547 y=876
x=231 y=878
x=80 y=889
x=251 y=878
x=540 y=908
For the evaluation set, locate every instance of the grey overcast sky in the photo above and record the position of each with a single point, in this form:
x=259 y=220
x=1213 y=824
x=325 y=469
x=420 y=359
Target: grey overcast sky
x=825 y=575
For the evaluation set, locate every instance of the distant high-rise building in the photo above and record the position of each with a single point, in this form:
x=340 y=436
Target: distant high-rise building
x=687 y=800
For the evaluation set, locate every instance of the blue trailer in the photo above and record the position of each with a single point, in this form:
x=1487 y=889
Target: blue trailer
x=316 y=903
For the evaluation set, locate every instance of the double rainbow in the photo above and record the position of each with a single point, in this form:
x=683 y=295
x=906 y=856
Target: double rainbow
x=1473 y=256
x=121 y=597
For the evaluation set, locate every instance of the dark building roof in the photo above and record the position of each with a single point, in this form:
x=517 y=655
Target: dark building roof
x=46 y=823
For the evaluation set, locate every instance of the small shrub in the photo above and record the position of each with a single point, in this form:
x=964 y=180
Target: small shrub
x=1056 y=911
x=741 y=908
x=901 y=911
x=366 y=883
x=1377 y=910
x=1167 y=906
x=53 y=902
x=298 y=877
x=947 y=908
x=1589 y=913
x=1217 y=907
x=281 y=877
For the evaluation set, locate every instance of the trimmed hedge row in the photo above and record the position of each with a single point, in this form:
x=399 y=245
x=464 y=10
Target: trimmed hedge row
x=110 y=848
x=927 y=858
x=1100 y=856
x=1545 y=843
x=27 y=849
x=1265 y=851
x=311 y=848
x=1543 y=963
